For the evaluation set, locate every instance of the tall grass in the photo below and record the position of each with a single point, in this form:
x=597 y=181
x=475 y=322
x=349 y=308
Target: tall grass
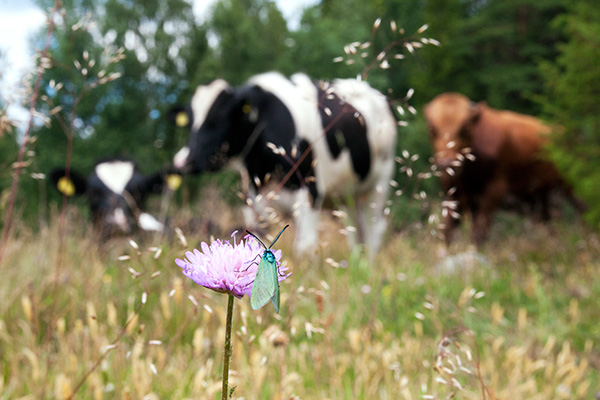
x=519 y=321
x=79 y=319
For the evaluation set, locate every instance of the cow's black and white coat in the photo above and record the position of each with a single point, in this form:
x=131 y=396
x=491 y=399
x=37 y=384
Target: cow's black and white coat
x=317 y=139
x=116 y=192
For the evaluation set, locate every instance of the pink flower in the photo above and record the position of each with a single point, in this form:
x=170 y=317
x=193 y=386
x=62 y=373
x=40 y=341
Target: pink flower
x=226 y=268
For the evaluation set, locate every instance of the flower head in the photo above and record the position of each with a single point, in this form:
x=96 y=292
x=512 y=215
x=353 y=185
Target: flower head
x=226 y=268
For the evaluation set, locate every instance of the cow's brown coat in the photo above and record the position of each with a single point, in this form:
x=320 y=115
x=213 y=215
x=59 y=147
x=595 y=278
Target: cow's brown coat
x=507 y=165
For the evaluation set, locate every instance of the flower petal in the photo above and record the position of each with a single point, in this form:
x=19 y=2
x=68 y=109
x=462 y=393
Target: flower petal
x=225 y=267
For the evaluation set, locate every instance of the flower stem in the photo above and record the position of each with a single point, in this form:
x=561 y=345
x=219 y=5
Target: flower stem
x=227 y=348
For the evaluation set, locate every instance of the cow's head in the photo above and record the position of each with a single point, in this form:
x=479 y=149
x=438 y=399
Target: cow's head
x=116 y=191
x=222 y=120
x=450 y=119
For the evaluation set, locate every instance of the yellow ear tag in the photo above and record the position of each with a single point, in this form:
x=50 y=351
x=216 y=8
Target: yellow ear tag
x=182 y=119
x=174 y=181
x=246 y=108
x=65 y=186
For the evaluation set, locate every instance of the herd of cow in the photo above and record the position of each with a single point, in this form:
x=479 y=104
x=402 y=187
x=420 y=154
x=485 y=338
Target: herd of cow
x=302 y=142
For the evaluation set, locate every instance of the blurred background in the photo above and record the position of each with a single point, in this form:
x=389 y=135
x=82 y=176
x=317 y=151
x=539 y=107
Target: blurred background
x=534 y=57
x=118 y=320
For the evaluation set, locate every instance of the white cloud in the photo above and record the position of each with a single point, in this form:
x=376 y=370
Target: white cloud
x=19 y=20
x=291 y=10
x=17 y=25
x=202 y=9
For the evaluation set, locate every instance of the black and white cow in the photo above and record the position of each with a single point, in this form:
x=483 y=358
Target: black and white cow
x=313 y=140
x=116 y=192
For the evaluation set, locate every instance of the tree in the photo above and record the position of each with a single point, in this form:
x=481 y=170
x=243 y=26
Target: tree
x=251 y=37
x=167 y=53
x=324 y=31
x=162 y=49
x=490 y=49
x=572 y=85
x=8 y=144
x=8 y=155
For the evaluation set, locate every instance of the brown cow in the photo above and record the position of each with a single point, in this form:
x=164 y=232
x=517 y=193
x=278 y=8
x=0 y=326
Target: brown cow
x=487 y=158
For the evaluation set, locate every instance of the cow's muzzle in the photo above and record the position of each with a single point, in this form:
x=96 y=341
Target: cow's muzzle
x=180 y=160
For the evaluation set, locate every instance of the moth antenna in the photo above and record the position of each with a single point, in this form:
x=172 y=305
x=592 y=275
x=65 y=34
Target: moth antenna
x=284 y=228
x=256 y=237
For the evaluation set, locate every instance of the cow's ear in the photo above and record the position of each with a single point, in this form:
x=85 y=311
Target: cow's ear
x=69 y=186
x=248 y=100
x=173 y=181
x=180 y=116
x=475 y=111
x=167 y=177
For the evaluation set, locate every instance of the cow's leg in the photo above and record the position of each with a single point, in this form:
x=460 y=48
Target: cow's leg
x=482 y=216
x=362 y=221
x=454 y=205
x=371 y=222
x=307 y=223
x=544 y=200
x=451 y=222
x=370 y=226
x=377 y=222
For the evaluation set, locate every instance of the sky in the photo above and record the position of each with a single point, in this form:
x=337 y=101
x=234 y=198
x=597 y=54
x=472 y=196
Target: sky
x=20 y=19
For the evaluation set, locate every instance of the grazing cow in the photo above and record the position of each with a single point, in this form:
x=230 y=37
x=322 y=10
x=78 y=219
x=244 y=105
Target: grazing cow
x=308 y=140
x=487 y=158
x=116 y=192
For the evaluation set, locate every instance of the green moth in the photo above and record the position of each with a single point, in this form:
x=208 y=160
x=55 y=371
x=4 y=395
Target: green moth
x=266 y=283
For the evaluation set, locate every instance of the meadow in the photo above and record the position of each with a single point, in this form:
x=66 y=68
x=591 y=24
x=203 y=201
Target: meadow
x=84 y=319
x=518 y=320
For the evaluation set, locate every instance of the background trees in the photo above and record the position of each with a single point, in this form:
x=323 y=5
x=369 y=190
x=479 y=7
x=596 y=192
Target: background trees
x=570 y=99
x=251 y=37
x=535 y=57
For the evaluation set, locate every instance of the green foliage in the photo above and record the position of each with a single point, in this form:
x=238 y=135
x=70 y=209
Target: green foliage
x=414 y=197
x=571 y=101
x=252 y=36
x=489 y=50
x=322 y=37
x=8 y=155
x=164 y=53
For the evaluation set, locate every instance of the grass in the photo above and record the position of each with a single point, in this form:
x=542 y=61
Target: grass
x=520 y=322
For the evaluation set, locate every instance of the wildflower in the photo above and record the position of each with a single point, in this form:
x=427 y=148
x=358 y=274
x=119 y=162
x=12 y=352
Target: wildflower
x=230 y=269
x=225 y=267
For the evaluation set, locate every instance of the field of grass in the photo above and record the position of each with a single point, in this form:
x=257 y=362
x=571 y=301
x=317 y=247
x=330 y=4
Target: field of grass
x=519 y=320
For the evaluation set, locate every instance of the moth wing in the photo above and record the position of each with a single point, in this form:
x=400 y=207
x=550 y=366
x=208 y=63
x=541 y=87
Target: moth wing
x=276 y=296
x=263 y=288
